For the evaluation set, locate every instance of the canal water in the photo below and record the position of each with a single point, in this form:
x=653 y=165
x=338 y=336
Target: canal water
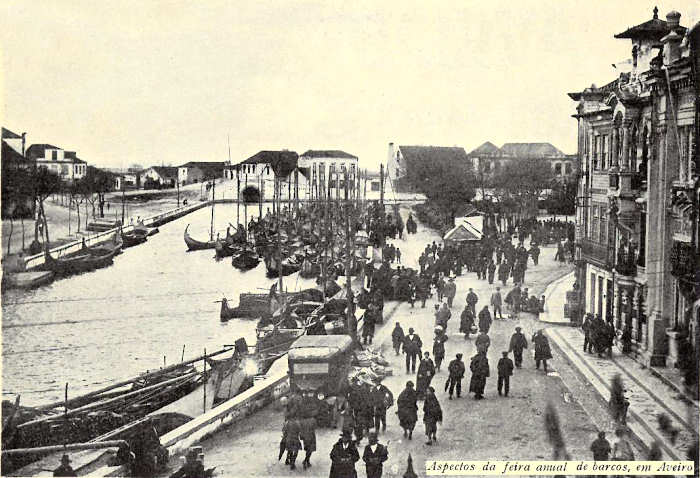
x=92 y=329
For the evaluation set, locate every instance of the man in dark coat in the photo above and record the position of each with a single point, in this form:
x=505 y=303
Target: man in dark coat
x=407 y=409
x=587 y=328
x=432 y=414
x=482 y=342
x=518 y=343
x=344 y=455
x=505 y=370
x=439 y=348
x=503 y=272
x=542 y=350
x=291 y=433
x=397 y=338
x=412 y=346
x=307 y=433
x=480 y=371
x=426 y=372
x=485 y=320
x=491 y=270
x=466 y=321
x=450 y=290
x=472 y=299
x=380 y=398
x=601 y=448
x=374 y=456
x=456 y=370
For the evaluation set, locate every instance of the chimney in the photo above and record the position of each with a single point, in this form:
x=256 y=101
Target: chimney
x=24 y=142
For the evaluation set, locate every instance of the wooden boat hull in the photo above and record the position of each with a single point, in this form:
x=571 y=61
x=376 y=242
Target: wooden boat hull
x=195 y=245
x=287 y=267
x=225 y=249
x=131 y=239
x=84 y=262
x=245 y=260
x=26 y=280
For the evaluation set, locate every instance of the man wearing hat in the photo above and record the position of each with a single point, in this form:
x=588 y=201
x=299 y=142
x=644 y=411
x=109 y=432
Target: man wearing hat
x=412 y=346
x=450 y=291
x=518 y=343
x=407 y=409
x=374 y=456
x=456 y=370
x=193 y=468
x=380 y=398
x=505 y=370
x=344 y=455
x=497 y=303
x=65 y=469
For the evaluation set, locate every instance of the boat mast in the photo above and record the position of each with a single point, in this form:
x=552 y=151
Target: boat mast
x=279 y=235
x=213 y=200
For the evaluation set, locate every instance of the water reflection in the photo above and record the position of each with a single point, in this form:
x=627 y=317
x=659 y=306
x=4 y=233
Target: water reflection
x=116 y=322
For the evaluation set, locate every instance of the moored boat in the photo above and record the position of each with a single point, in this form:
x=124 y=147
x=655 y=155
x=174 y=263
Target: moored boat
x=288 y=266
x=131 y=239
x=195 y=245
x=245 y=259
x=83 y=261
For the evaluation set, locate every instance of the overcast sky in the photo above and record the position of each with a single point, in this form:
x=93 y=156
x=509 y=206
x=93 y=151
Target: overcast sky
x=154 y=82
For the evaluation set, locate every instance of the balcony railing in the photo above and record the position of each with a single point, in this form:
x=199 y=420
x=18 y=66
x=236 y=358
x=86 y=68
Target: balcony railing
x=595 y=252
x=626 y=263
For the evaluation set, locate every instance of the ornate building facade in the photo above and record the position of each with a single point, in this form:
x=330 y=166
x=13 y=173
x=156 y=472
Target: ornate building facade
x=638 y=194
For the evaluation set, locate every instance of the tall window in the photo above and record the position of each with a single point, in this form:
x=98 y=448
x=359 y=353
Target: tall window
x=605 y=158
x=567 y=168
x=596 y=152
x=595 y=227
x=603 y=226
x=557 y=169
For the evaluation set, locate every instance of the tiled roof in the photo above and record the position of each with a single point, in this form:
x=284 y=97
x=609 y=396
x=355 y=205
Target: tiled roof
x=486 y=148
x=432 y=153
x=282 y=162
x=7 y=134
x=165 y=171
x=9 y=155
x=37 y=150
x=328 y=154
x=653 y=29
x=530 y=150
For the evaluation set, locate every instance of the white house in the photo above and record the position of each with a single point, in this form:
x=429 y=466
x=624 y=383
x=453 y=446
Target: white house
x=162 y=176
x=328 y=172
x=66 y=164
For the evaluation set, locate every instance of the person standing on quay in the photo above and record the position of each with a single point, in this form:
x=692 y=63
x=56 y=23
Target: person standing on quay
x=485 y=320
x=480 y=371
x=439 y=347
x=466 y=321
x=482 y=342
x=505 y=370
x=374 y=456
x=472 y=299
x=381 y=398
x=426 y=372
x=407 y=409
x=542 y=350
x=432 y=414
x=344 y=455
x=518 y=343
x=497 y=303
x=456 y=370
x=412 y=346
x=601 y=448
x=450 y=291
x=397 y=338
x=491 y=269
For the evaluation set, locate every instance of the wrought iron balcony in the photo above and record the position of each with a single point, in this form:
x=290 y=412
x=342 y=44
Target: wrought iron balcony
x=626 y=263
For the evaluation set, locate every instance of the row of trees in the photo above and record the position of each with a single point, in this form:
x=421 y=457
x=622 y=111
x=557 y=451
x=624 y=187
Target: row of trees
x=26 y=187
x=515 y=191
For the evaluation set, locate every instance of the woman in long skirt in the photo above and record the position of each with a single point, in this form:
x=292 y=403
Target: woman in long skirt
x=407 y=409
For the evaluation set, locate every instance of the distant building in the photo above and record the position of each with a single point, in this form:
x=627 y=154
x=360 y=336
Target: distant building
x=402 y=158
x=159 y=177
x=489 y=158
x=257 y=176
x=66 y=164
x=198 y=171
x=17 y=199
x=328 y=171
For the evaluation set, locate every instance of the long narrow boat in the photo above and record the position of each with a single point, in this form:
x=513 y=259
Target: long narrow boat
x=131 y=239
x=195 y=245
x=84 y=261
x=288 y=266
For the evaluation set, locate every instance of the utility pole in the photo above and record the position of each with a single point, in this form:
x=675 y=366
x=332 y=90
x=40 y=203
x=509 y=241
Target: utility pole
x=238 y=196
x=123 y=200
x=177 y=180
x=213 y=201
x=352 y=322
x=381 y=185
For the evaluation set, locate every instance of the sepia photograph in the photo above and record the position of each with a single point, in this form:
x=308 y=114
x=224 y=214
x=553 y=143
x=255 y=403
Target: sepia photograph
x=319 y=238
